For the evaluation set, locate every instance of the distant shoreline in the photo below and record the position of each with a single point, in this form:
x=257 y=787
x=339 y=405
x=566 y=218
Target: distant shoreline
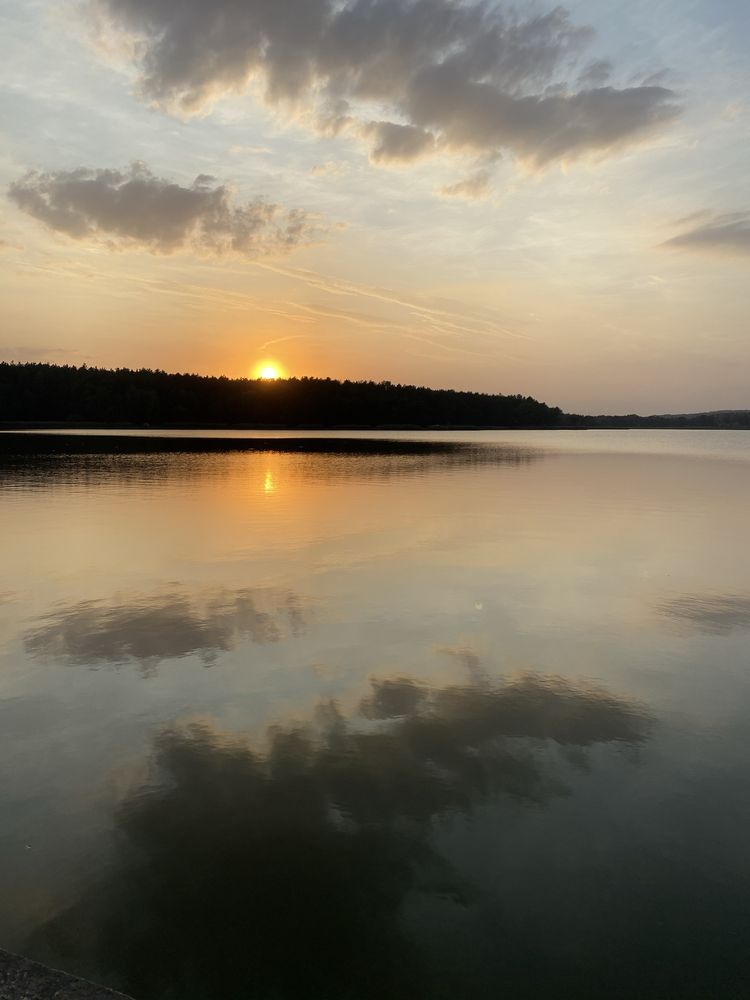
x=30 y=430
x=10 y=426
x=41 y=396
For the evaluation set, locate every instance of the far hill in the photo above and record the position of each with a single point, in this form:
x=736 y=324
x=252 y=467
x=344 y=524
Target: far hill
x=716 y=419
x=65 y=395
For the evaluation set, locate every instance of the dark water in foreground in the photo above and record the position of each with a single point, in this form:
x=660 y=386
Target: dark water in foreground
x=428 y=720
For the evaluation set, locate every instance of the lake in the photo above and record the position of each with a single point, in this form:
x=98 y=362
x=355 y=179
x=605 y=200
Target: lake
x=379 y=715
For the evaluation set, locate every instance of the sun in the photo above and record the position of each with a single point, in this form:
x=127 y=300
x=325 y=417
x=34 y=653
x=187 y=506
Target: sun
x=268 y=370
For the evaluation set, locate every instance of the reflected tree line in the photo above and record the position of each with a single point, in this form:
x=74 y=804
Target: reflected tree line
x=285 y=870
x=42 y=461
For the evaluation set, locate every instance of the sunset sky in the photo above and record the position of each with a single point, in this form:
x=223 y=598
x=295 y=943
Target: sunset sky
x=550 y=200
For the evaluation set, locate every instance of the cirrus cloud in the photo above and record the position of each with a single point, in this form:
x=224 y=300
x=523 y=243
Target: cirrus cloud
x=459 y=77
x=135 y=209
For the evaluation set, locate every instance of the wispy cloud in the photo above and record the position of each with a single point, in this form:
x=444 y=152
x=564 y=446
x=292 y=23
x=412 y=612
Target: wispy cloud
x=136 y=209
x=331 y=168
x=709 y=233
x=30 y=353
x=472 y=188
x=280 y=340
x=239 y=150
x=450 y=317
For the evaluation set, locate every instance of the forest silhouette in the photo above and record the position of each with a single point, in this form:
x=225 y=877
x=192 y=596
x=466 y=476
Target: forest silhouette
x=32 y=393
x=40 y=393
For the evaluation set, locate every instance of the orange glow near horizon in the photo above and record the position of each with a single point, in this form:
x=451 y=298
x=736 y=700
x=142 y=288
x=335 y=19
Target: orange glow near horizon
x=269 y=370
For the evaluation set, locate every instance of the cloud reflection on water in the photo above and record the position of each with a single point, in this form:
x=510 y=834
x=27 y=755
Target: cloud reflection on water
x=156 y=627
x=284 y=871
x=716 y=614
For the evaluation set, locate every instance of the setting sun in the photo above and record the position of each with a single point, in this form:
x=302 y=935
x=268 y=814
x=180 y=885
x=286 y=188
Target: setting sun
x=268 y=370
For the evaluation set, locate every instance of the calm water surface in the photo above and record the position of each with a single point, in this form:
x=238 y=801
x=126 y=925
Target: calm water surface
x=380 y=715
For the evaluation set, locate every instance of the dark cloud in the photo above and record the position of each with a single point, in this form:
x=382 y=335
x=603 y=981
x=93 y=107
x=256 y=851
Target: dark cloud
x=134 y=208
x=725 y=234
x=151 y=628
x=393 y=143
x=716 y=614
x=454 y=76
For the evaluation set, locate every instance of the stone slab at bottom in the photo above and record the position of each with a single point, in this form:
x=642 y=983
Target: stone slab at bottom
x=22 y=979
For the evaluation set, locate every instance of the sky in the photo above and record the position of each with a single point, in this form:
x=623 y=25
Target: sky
x=528 y=198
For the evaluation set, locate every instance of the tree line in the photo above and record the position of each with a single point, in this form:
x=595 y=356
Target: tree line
x=68 y=394
x=45 y=393
x=717 y=419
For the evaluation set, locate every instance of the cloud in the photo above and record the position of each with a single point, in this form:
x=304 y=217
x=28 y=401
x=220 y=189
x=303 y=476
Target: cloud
x=392 y=143
x=596 y=74
x=240 y=150
x=20 y=352
x=331 y=168
x=726 y=234
x=448 y=76
x=473 y=188
x=733 y=111
x=136 y=209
